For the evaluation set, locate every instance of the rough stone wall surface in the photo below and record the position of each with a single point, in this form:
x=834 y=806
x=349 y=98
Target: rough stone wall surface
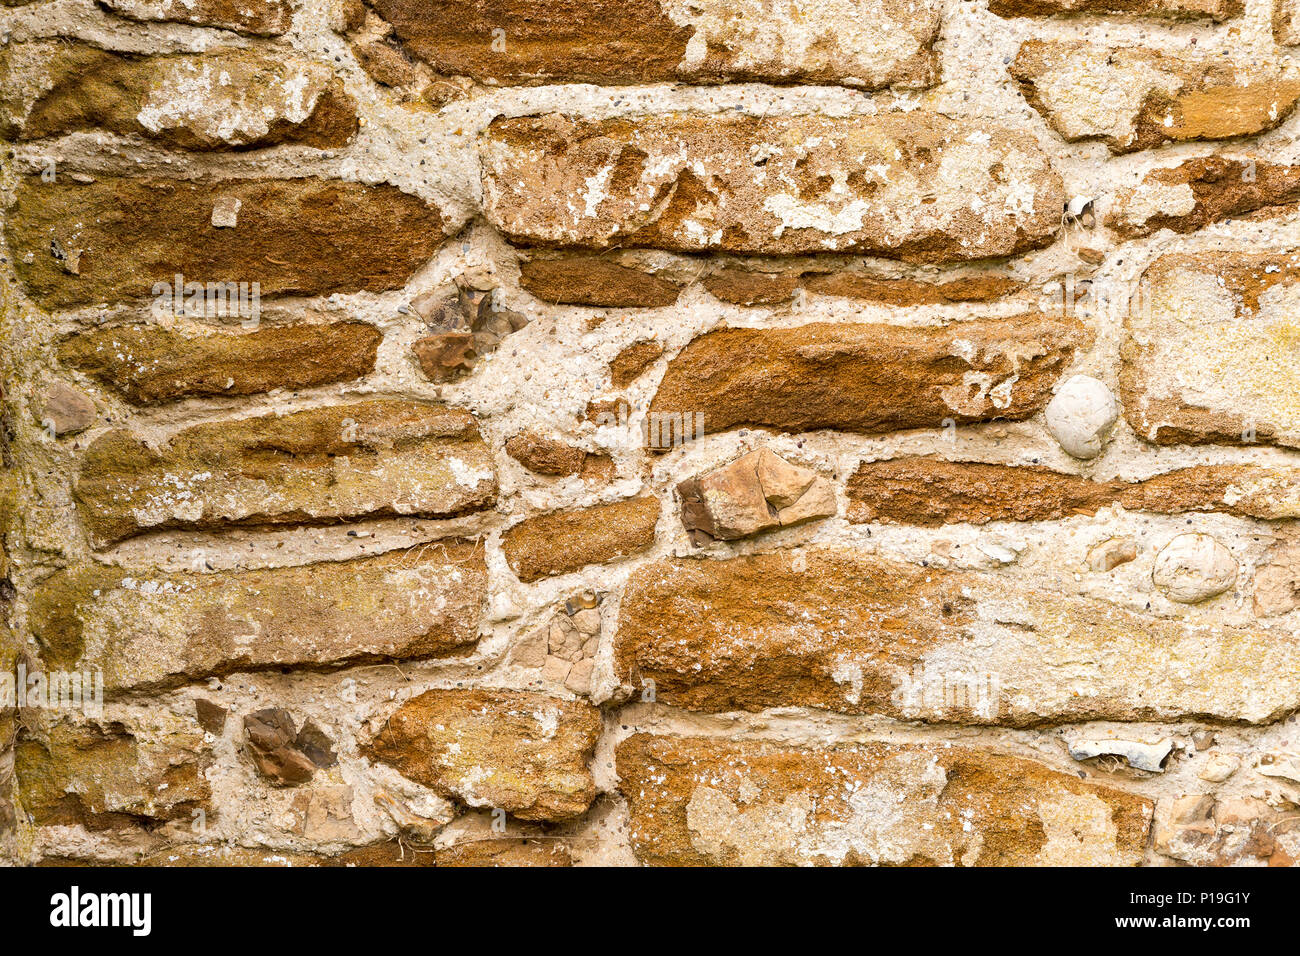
x=506 y=432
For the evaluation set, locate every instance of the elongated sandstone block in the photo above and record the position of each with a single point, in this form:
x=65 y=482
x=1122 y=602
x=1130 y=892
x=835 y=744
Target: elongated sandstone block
x=845 y=631
x=862 y=43
x=257 y=17
x=226 y=99
x=146 y=630
x=318 y=466
x=703 y=801
x=101 y=776
x=591 y=280
x=869 y=378
x=1205 y=190
x=933 y=492
x=1216 y=10
x=564 y=541
x=116 y=239
x=152 y=364
x=1135 y=98
x=696 y=182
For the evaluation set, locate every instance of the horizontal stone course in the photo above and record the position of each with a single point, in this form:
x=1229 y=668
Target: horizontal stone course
x=1134 y=98
x=49 y=88
x=869 y=378
x=148 y=629
x=1209 y=189
x=256 y=17
x=598 y=280
x=319 y=466
x=850 y=632
x=151 y=365
x=591 y=280
x=863 y=43
x=1215 y=10
x=707 y=801
x=1206 y=355
x=934 y=492
x=695 y=182
x=121 y=239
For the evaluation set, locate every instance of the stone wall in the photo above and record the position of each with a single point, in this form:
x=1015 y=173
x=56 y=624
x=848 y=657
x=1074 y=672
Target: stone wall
x=454 y=432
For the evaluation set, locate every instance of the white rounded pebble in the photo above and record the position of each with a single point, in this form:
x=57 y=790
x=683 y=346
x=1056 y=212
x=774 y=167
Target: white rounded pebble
x=1080 y=416
x=1193 y=567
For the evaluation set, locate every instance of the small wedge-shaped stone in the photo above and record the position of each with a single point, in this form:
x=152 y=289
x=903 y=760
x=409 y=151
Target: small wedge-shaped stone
x=756 y=492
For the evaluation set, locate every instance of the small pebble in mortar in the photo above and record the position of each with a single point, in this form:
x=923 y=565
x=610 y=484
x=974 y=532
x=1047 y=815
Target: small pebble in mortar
x=1194 y=567
x=1081 y=415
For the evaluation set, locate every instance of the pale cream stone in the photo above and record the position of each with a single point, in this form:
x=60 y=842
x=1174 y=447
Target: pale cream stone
x=1193 y=568
x=1081 y=415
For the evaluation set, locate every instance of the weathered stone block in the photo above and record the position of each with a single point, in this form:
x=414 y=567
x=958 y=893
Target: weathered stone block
x=153 y=364
x=148 y=629
x=849 y=632
x=712 y=802
x=1205 y=190
x=321 y=466
x=869 y=378
x=106 y=778
x=592 y=280
x=871 y=44
x=544 y=455
x=933 y=492
x=772 y=185
x=565 y=541
x=516 y=751
x=1207 y=351
x=507 y=851
x=122 y=239
x=257 y=17
x=1135 y=98
x=227 y=99
x=1216 y=10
